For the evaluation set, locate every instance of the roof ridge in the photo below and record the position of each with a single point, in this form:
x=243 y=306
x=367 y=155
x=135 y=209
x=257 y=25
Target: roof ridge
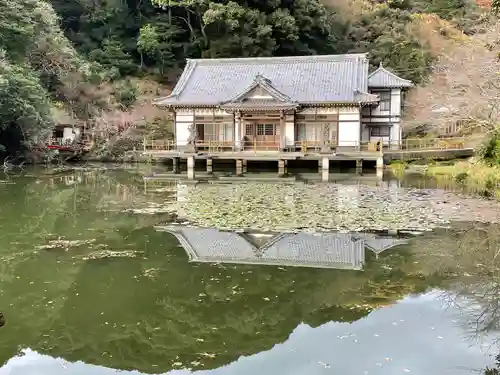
x=338 y=57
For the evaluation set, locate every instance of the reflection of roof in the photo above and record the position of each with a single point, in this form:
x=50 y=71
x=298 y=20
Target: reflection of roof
x=322 y=250
x=380 y=244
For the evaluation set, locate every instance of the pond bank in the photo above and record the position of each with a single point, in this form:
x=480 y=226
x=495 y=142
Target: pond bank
x=475 y=175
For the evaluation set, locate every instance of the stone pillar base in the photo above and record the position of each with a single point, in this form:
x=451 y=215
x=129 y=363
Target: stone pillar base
x=325 y=169
x=281 y=167
x=190 y=167
x=239 y=167
x=380 y=163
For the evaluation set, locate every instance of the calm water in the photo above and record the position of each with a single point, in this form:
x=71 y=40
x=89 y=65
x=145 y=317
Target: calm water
x=427 y=305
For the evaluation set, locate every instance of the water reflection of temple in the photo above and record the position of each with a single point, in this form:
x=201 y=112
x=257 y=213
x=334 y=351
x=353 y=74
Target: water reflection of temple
x=321 y=250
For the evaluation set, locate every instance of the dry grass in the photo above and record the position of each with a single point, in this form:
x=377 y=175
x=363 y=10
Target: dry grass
x=475 y=175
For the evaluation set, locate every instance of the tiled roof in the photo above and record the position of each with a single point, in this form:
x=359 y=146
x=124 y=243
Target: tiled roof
x=322 y=250
x=382 y=78
x=364 y=97
x=380 y=244
x=303 y=79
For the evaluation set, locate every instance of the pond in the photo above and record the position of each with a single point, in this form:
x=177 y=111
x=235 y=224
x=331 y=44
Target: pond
x=103 y=273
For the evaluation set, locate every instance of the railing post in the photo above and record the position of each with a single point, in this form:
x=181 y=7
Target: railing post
x=254 y=145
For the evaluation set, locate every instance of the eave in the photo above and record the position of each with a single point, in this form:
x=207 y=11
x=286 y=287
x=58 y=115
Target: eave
x=174 y=106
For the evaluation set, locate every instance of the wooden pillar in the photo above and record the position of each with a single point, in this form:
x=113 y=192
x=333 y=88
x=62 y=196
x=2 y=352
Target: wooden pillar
x=234 y=130
x=190 y=167
x=174 y=114
x=282 y=130
x=237 y=131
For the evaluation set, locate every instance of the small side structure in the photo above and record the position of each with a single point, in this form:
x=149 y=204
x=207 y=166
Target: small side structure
x=322 y=103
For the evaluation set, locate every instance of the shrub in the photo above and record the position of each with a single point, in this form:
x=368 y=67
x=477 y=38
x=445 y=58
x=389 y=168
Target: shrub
x=461 y=177
x=126 y=94
x=490 y=152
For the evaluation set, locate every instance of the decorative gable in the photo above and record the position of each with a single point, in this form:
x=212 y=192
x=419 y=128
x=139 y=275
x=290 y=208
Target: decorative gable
x=261 y=93
x=258 y=93
x=261 y=88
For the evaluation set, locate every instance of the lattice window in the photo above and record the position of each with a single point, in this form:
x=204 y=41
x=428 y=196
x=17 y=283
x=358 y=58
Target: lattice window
x=210 y=133
x=260 y=129
x=226 y=132
x=380 y=131
x=249 y=129
x=385 y=100
x=267 y=129
x=312 y=132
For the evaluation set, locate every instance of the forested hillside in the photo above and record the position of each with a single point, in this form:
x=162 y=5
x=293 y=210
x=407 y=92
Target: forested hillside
x=94 y=59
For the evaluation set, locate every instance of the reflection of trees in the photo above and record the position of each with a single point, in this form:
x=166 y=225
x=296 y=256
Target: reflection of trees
x=111 y=314
x=494 y=370
x=108 y=312
x=34 y=283
x=470 y=256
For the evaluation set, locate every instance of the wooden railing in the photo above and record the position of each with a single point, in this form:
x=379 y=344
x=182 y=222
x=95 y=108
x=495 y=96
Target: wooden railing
x=433 y=143
x=410 y=144
x=215 y=146
x=159 y=145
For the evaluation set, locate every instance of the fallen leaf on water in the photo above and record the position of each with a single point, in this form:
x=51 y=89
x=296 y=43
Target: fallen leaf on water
x=208 y=355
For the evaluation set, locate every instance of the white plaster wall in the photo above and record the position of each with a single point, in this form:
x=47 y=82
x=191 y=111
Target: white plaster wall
x=70 y=134
x=182 y=123
x=289 y=130
x=395 y=109
x=349 y=127
x=396 y=133
x=396 y=102
x=237 y=135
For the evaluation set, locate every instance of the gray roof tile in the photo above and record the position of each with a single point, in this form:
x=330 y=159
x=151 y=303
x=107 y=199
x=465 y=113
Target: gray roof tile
x=322 y=250
x=303 y=79
x=383 y=78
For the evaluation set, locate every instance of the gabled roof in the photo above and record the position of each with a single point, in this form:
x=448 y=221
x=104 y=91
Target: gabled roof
x=322 y=250
x=302 y=79
x=266 y=85
x=274 y=98
x=383 y=78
